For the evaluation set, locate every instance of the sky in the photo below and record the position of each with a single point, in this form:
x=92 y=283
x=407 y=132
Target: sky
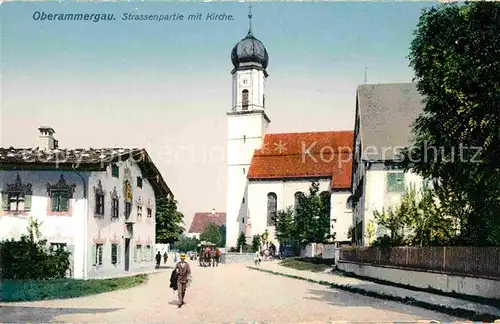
x=166 y=86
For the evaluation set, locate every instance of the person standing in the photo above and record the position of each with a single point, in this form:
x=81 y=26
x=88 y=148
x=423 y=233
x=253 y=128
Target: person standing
x=158 y=260
x=165 y=258
x=183 y=277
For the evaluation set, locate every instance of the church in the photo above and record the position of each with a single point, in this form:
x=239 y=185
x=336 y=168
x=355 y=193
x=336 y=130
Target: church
x=268 y=172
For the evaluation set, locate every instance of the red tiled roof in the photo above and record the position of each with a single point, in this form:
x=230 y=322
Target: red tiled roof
x=201 y=221
x=305 y=155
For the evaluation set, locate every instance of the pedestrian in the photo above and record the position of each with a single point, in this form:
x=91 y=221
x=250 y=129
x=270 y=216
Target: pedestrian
x=183 y=277
x=158 y=260
x=165 y=258
x=217 y=257
x=257 y=258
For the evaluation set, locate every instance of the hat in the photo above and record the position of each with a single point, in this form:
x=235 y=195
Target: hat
x=183 y=256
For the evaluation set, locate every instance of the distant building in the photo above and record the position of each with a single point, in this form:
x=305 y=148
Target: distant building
x=383 y=123
x=98 y=203
x=201 y=221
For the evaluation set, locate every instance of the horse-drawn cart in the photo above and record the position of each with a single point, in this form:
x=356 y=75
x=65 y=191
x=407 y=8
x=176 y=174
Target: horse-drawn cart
x=205 y=253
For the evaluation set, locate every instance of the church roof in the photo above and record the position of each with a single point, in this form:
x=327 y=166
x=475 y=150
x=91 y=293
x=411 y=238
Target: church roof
x=82 y=160
x=201 y=221
x=305 y=155
x=387 y=112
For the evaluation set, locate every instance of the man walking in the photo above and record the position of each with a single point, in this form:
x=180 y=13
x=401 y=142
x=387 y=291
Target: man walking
x=165 y=258
x=158 y=260
x=183 y=277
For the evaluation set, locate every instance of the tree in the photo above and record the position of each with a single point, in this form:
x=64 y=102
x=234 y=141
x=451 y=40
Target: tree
x=455 y=59
x=312 y=217
x=211 y=234
x=241 y=243
x=370 y=231
x=186 y=243
x=285 y=230
x=255 y=243
x=169 y=221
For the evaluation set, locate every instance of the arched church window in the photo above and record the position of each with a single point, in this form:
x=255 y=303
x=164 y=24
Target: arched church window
x=326 y=199
x=263 y=100
x=244 y=99
x=297 y=197
x=272 y=208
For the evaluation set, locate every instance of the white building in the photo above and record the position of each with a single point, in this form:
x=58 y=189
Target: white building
x=98 y=203
x=265 y=172
x=384 y=117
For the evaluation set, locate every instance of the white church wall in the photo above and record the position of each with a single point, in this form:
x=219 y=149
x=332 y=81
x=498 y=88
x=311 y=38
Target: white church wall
x=253 y=81
x=107 y=231
x=65 y=227
x=285 y=192
x=251 y=125
x=341 y=215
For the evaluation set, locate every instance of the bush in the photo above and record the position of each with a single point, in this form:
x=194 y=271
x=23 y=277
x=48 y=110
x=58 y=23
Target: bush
x=25 y=259
x=31 y=257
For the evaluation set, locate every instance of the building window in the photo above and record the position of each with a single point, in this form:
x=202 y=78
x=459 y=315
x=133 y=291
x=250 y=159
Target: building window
x=243 y=200
x=99 y=199
x=272 y=208
x=98 y=248
x=114 y=253
x=349 y=204
x=263 y=100
x=17 y=197
x=128 y=209
x=150 y=212
x=138 y=253
x=115 y=205
x=60 y=195
x=147 y=253
x=139 y=182
x=297 y=196
x=395 y=182
x=326 y=199
x=139 y=211
x=58 y=246
x=244 y=99
x=115 y=171
x=244 y=170
x=244 y=139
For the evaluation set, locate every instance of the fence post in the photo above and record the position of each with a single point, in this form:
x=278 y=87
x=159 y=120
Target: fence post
x=444 y=257
x=407 y=255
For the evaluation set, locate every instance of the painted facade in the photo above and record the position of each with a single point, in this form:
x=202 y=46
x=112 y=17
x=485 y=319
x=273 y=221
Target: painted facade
x=99 y=204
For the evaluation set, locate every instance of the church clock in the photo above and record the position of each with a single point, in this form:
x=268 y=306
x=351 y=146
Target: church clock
x=245 y=82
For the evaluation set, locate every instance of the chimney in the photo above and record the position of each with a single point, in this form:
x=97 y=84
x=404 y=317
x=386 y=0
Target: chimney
x=213 y=211
x=46 y=140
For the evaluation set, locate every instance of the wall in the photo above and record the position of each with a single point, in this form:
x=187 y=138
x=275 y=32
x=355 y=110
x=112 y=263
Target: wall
x=341 y=218
x=64 y=228
x=377 y=196
x=107 y=231
x=245 y=134
x=448 y=283
x=237 y=258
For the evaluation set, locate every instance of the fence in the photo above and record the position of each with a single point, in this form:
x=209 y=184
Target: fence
x=482 y=261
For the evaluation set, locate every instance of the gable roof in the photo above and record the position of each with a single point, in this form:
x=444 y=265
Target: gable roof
x=83 y=160
x=201 y=221
x=387 y=113
x=305 y=155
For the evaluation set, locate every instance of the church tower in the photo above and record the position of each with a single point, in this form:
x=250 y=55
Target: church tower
x=247 y=124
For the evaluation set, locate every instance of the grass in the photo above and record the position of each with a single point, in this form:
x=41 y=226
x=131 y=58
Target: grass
x=307 y=264
x=31 y=290
x=457 y=312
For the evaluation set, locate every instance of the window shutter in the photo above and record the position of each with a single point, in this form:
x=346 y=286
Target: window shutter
x=5 y=201
x=94 y=254
x=27 y=202
x=63 y=201
x=118 y=253
x=54 y=199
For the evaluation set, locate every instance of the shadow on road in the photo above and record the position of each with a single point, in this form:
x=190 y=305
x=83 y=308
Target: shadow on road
x=25 y=314
x=346 y=299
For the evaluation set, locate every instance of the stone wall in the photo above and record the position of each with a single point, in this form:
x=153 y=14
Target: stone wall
x=483 y=287
x=237 y=258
